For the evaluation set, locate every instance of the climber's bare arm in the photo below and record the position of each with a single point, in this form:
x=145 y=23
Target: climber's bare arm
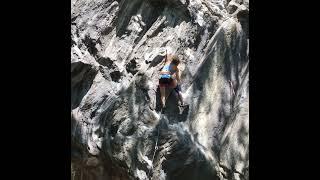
x=178 y=75
x=168 y=57
x=165 y=59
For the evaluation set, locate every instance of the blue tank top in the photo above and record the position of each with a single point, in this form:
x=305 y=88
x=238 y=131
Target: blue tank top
x=166 y=76
x=167 y=68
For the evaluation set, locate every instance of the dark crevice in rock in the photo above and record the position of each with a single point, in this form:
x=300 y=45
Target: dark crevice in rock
x=131 y=67
x=115 y=76
x=129 y=130
x=114 y=129
x=156 y=60
x=73 y=42
x=106 y=62
x=149 y=18
x=157 y=31
x=244 y=23
x=105 y=73
x=73 y=19
x=197 y=38
x=107 y=30
x=126 y=11
x=82 y=76
x=91 y=45
x=175 y=4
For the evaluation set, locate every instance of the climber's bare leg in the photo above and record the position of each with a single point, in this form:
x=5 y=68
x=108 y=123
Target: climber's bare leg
x=177 y=92
x=163 y=96
x=174 y=83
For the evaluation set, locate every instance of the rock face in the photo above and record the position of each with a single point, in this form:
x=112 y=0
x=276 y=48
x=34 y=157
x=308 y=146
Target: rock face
x=117 y=47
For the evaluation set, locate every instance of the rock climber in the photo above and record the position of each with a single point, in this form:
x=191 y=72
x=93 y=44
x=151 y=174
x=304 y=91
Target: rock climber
x=170 y=77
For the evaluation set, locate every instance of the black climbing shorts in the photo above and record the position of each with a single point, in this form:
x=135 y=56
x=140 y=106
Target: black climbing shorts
x=165 y=82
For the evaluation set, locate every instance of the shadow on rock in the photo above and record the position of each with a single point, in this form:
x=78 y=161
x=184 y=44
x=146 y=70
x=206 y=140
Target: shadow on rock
x=82 y=76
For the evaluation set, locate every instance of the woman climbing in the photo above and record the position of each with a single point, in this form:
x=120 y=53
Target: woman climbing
x=170 y=77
